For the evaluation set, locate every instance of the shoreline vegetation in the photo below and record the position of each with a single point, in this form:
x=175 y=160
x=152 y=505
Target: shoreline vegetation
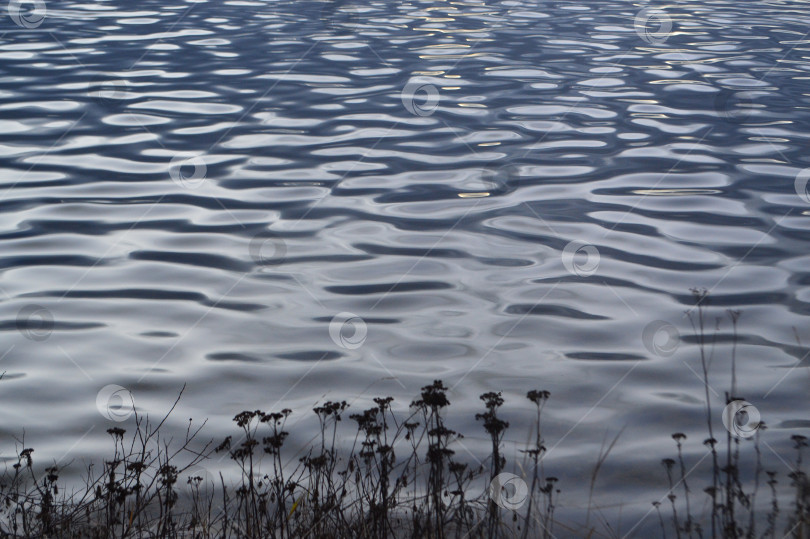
x=400 y=478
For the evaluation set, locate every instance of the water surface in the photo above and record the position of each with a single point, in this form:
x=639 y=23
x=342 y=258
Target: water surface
x=503 y=195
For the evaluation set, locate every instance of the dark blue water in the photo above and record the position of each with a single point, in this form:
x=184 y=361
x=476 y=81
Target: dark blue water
x=276 y=203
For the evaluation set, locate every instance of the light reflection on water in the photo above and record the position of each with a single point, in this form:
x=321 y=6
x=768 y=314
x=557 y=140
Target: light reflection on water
x=193 y=191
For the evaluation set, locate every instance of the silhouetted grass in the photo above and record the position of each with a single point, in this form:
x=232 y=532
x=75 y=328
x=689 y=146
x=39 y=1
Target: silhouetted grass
x=367 y=492
x=734 y=512
x=399 y=478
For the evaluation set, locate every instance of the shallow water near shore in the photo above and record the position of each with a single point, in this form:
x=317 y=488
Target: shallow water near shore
x=278 y=203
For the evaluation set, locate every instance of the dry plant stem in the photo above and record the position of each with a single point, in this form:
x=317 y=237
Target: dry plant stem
x=700 y=296
x=668 y=465
x=539 y=398
x=400 y=478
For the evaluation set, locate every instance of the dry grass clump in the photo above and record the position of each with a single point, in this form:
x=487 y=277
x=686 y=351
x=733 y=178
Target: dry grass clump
x=399 y=477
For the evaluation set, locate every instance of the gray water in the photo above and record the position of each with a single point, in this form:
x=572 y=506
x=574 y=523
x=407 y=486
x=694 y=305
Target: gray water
x=276 y=203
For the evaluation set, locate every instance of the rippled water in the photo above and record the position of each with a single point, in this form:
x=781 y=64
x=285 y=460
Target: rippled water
x=276 y=203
